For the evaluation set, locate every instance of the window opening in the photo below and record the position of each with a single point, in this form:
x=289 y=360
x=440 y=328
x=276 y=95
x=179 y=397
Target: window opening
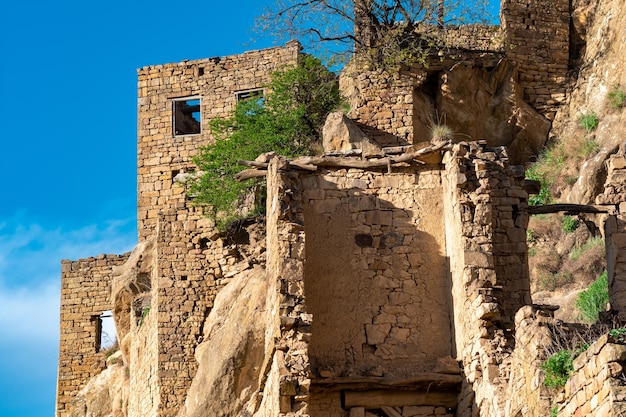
x=105 y=331
x=256 y=94
x=187 y=117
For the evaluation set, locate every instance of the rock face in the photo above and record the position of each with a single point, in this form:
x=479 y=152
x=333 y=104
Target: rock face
x=602 y=71
x=106 y=395
x=232 y=355
x=130 y=289
x=487 y=104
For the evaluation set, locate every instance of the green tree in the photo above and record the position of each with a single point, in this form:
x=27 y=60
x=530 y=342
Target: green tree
x=383 y=31
x=288 y=121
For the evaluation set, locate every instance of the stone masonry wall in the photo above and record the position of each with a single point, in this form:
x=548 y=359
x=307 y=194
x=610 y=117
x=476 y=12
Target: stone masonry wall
x=536 y=36
x=161 y=154
x=85 y=295
x=381 y=103
x=375 y=241
x=485 y=208
x=615 y=230
x=597 y=386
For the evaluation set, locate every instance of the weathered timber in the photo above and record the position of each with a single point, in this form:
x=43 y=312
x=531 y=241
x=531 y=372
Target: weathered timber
x=250 y=173
x=390 y=411
x=569 y=208
x=433 y=380
x=378 y=398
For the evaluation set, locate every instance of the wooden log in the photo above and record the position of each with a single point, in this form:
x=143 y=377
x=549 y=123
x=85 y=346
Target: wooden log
x=305 y=167
x=390 y=411
x=249 y=174
x=569 y=208
x=253 y=164
x=378 y=398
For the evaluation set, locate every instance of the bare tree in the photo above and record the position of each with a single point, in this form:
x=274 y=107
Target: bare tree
x=384 y=31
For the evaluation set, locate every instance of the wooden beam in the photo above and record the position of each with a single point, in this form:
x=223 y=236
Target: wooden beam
x=378 y=398
x=569 y=208
x=250 y=173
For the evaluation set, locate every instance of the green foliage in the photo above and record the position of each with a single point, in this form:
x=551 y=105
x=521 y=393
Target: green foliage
x=617 y=98
x=570 y=224
x=288 y=121
x=618 y=334
x=144 y=314
x=558 y=368
x=594 y=299
x=589 y=121
x=554 y=411
x=534 y=173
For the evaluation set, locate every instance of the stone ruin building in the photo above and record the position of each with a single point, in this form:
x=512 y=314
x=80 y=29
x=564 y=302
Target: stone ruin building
x=395 y=286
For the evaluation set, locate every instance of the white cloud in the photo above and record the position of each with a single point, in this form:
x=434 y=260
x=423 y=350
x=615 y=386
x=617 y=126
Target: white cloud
x=30 y=271
x=30 y=314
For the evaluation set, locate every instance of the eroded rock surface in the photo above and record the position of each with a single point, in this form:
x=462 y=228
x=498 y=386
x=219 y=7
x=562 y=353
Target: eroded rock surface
x=232 y=356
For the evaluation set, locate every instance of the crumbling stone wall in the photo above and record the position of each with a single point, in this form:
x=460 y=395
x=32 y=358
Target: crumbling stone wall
x=161 y=154
x=537 y=39
x=85 y=295
x=485 y=207
x=614 y=197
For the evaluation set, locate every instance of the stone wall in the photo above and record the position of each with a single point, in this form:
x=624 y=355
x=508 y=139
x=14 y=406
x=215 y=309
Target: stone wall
x=597 y=386
x=381 y=103
x=486 y=217
x=614 y=197
x=162 y=154
x=85 y=295
x=375 y=241
x=536 y=34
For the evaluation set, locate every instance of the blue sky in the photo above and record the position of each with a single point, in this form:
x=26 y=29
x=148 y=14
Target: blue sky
x=68 y=158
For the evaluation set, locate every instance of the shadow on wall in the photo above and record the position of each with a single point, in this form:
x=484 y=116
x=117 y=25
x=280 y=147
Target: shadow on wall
x=375 y=275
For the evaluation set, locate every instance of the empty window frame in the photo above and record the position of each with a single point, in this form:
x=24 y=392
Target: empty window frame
x=105 y=330
x=187 y=116
x=255 y=94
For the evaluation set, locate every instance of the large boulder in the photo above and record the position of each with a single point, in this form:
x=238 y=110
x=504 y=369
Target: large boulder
x=342 y=134
x=232 y=357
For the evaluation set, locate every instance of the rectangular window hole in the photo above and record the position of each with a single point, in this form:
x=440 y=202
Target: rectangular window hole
x=254 y=94
x=183 y=277
x=187 y=116
x=106 y=335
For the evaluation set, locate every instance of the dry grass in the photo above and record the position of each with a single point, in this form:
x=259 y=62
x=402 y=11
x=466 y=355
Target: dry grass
x=562 y=260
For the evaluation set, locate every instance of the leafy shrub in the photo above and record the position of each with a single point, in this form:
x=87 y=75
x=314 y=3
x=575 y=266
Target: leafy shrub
x=589 y=121
x=554 y=411
x=558 y=368
x=618 y=334
x=617 y=98
x=594 y=299
x=533 y=173
x=288 y=121
x=570 y=224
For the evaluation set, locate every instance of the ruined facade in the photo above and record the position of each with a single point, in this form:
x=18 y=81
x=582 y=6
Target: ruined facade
x=390 y=291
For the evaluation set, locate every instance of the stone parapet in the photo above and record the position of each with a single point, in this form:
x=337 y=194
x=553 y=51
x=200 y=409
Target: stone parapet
x=597 y=386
